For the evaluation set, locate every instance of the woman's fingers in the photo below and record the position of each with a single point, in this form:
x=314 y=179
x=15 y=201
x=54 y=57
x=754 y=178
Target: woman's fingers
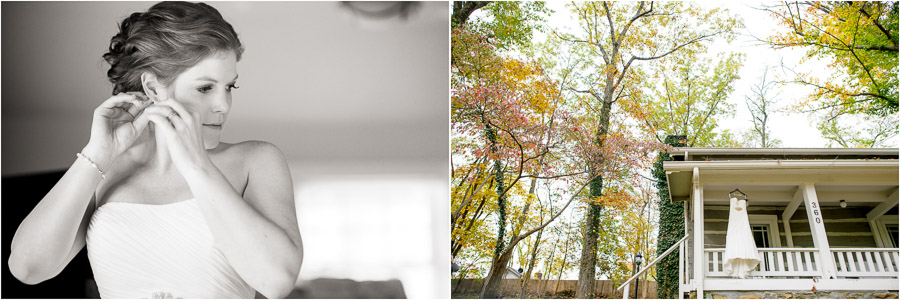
x=184 y=119
x=183 y=112
x=167 y=112
x=162 y=124
x=130 y=103
x=177 y=120
x=140 y=122
x=118 y=100
x=137 y=106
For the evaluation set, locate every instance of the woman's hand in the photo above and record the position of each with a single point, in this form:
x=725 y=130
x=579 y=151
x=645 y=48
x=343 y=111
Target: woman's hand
x=115 y=127
x=183 y=134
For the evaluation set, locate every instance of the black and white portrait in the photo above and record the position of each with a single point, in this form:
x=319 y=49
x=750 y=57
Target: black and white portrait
x=225 y=149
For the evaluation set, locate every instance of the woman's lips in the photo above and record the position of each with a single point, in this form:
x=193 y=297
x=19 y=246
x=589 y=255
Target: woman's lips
x=213 y=126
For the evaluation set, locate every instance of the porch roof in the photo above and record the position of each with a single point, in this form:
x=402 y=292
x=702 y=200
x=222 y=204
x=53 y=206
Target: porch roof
x=780 y=164
x=689 y=153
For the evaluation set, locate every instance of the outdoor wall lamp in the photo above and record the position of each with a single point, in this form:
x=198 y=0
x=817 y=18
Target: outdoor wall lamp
x=843 y=203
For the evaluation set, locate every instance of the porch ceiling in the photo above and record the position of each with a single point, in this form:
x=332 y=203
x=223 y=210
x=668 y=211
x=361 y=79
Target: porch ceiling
x=781 y=195
x=679 y=185
x=860 y=183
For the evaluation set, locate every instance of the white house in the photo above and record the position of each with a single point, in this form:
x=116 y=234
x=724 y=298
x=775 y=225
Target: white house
x=512 y=273
x=823 y=219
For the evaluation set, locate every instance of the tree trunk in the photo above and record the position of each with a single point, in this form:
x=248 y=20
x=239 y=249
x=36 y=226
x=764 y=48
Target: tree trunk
x=462 y=275
x=537 y=240
x=491 y=288
x=527 y=275
x=549 y=265
x=588 y=263
x=463 y=9
x=563 y=266
x=502 y=257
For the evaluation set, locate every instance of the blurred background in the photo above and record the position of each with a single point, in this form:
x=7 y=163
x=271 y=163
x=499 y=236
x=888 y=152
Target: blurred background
x=354 y=94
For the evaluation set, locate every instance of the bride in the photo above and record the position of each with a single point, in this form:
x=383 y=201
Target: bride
x=165 y=209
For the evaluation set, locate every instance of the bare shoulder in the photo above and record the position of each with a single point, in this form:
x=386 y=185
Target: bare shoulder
x=268 y=185
x=251 y=153
x=249 y=165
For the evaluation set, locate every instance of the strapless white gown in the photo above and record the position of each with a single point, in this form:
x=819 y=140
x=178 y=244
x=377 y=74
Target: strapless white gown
x=741 y=255
x=159 y=251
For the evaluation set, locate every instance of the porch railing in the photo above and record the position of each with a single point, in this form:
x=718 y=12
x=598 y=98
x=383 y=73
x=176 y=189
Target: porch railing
x=627 y=283
x=865 y=262
x=773 y=262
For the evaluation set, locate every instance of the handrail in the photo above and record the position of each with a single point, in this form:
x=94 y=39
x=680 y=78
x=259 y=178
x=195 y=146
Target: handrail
x=651 y=264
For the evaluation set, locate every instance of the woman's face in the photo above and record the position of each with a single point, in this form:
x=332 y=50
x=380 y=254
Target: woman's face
x=206 y=89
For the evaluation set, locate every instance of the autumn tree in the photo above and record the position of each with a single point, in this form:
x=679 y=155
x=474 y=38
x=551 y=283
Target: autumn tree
x=866 y=131
x=534 y=134
x=615 y=38
x=472 y=203
x=762 y=104
x=688 y=95
x=531 y=258
x=510 y=107
x=475 y=60
x=562 y=256
x=639 y=222
x=858 y=38
x=505 y=25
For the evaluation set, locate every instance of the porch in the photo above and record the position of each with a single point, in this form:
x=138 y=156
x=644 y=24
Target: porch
x=819 y=224
x=802 y=269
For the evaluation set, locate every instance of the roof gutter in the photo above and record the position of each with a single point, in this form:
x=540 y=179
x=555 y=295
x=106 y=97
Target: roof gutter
x=786 y=151
x=680 y=166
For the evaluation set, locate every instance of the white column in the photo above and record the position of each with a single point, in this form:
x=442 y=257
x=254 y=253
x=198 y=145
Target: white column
x=817 y=229
x=699 y=259
x=876 y=233
x=877 y=212
x=788 y=236
x=788 y=214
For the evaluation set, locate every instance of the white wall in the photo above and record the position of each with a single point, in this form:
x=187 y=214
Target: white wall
x=315 y=81
x=375 y=225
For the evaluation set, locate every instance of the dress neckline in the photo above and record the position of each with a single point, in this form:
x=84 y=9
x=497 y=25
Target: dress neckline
x=148 y=204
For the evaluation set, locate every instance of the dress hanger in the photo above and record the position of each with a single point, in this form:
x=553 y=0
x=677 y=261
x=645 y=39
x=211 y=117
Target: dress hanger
x=736 y=193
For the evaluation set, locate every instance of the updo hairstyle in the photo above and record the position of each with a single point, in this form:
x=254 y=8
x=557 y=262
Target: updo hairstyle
x=166 y=40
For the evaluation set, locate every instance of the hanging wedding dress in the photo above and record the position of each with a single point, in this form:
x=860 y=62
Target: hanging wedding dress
x=741 y=255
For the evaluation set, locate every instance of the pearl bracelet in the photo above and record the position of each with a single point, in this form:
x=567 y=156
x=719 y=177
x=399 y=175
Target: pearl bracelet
x=102 y=176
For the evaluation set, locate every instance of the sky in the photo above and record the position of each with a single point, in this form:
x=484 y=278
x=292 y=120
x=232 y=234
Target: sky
x=795 y=130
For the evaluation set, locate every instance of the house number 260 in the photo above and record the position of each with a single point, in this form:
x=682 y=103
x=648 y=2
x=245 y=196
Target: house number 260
x=815 y=207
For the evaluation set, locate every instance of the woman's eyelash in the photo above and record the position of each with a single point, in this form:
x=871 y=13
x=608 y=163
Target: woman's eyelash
x=204 y=89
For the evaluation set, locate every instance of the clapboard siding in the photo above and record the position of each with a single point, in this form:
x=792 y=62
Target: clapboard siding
x=845 y=227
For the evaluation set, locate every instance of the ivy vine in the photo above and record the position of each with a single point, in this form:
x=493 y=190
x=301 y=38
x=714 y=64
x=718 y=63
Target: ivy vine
x=671 y=225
